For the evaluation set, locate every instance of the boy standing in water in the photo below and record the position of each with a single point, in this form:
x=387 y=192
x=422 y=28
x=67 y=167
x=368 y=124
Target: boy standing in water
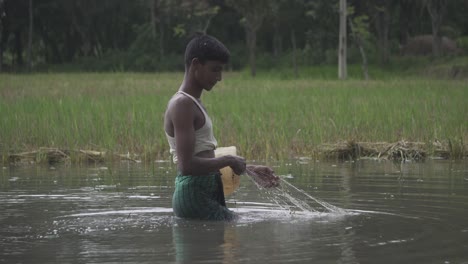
x=198 y=187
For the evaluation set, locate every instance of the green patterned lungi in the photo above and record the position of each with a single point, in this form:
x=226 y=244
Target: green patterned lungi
x=200 y=197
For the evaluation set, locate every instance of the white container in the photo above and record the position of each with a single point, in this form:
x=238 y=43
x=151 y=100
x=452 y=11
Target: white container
x=231 y=181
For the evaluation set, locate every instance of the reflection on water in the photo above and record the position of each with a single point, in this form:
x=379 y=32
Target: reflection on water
x=387 y=213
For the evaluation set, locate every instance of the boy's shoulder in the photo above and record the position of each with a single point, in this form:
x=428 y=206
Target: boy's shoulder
x=179 y=101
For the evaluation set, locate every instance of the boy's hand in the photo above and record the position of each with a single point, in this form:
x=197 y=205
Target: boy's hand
x=238 y=165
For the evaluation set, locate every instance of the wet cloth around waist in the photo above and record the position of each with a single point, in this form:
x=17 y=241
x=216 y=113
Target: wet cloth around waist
x=200 y=197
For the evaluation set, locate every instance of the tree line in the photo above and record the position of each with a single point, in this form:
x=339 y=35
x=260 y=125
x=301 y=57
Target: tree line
x=150 y=35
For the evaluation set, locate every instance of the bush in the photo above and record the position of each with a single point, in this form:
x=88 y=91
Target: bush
x=462 y=43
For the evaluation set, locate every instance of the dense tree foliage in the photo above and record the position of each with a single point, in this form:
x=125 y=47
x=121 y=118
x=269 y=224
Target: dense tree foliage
x=149 y=35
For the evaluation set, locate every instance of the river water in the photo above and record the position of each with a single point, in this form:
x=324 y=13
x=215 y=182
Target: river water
x=382 y=212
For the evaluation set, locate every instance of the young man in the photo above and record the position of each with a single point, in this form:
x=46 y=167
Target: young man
x=198 y=186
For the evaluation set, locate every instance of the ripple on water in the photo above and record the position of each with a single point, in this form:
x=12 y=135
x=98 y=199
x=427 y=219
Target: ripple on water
x=98 y=221
x=408 y=217
x=251 y=212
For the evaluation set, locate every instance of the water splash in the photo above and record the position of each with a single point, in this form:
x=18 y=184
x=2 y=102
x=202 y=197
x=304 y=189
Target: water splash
x=325 y=206
x=286 y=196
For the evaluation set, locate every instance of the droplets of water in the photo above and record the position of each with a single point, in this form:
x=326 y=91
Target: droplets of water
x=292 y=201
x=145 y=219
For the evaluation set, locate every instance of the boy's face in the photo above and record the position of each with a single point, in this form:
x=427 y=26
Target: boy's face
x=209 y=73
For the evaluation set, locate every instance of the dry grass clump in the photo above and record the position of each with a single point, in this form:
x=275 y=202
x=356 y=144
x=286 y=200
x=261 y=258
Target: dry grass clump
x=398 y=151
x=347 y=150
x=50 y=155
x=404 y=150
x=55 y=155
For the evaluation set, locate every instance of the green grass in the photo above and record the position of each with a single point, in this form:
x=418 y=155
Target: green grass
x=272 y=116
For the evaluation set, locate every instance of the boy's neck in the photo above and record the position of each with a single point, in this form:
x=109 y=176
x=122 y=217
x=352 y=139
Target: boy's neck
x=189 y=86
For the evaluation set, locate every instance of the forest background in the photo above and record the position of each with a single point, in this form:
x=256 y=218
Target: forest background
x=150 y=35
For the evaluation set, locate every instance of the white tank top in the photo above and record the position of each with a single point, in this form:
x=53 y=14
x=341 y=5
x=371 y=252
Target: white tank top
x=204 y=137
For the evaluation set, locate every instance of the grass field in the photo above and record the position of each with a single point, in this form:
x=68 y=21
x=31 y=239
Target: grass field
x=272 y=116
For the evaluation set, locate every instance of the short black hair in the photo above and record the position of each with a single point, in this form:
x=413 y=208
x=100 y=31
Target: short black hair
x=205 y=47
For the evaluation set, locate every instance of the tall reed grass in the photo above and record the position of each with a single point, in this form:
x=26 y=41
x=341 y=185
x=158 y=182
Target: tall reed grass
x=268 y=117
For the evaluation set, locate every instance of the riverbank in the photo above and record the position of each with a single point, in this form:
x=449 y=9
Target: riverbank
x=398 y=151
x=267 y=118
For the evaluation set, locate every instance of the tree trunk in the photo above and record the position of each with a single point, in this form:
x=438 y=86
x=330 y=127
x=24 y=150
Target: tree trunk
x=342 y=54
x=407 y=10
x=365 y=67
x=157 y=24
x=70 y=45
x=161 y=40
x=207 y=24
x=19 y=48
x=30 y=35
x=436 y=10
x=254 y=13
x=358 y=38
x=382 y=24
x=3 y=37
x=52 y=52
x=1 y=54
x=85 y=42
x=153 y=4
x=2 y=34
x=277 y=43
x=252 y=43
x=293 y=42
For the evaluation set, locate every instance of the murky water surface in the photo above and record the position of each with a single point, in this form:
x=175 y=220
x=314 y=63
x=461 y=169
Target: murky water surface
x=387 y=213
